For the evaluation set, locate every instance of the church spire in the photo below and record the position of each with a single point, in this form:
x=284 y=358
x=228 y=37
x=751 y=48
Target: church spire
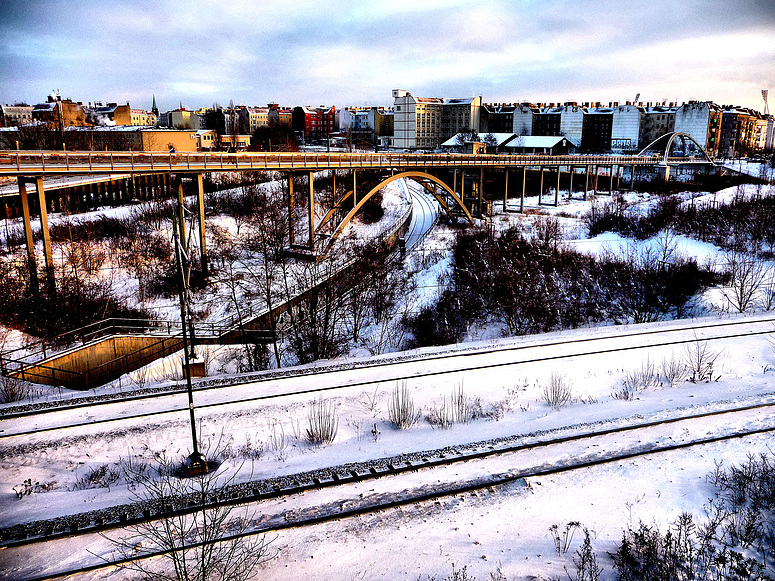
x=154 y=108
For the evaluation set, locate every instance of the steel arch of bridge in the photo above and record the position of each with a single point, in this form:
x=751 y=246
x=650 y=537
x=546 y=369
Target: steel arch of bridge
x=418 y=175
x=669 y=138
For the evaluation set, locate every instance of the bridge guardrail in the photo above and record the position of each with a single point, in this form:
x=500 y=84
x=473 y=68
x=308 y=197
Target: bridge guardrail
x=26 y=162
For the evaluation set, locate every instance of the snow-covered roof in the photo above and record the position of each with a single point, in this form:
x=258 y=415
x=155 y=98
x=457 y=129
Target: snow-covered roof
x=500 y=138
x=536 y=141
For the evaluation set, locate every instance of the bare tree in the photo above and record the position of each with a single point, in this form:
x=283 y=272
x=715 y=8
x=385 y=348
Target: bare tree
x=267 y=234
x=208 y=543
x=747 y=275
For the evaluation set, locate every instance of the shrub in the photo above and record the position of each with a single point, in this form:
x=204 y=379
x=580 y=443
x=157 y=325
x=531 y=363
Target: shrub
x=700 y=359
x=645 y=377
x=557 y=391
x=100 y=477
x=585 y=561
x=402 y=412
x=440 y=417
x=323 y=423
x=13 y=389
x=673 y=370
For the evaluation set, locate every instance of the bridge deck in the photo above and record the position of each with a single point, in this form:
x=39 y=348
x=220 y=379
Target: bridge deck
x=29 y=163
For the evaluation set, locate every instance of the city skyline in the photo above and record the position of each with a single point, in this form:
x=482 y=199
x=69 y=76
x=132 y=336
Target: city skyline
x=351 y=54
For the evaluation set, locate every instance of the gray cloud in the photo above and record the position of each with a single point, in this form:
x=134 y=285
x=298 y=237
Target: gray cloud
x=346 y=53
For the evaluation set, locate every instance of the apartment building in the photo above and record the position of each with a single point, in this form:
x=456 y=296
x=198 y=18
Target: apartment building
x=625 y=127
x=60 y=113
x=251 y=118
x=701 y=120
x=656 y=121
x=314 y=121
x=738 y=131
x=141 y=117
x=15 y=115
x=496 y=118
x=426 y=122
x=109 y=114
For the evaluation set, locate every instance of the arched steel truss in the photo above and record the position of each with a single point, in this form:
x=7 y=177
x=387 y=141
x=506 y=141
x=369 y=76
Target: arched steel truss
x=418 y=175
x=669 y=138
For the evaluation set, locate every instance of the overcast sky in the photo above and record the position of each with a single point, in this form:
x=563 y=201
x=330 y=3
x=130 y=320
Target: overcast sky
x=299 y=52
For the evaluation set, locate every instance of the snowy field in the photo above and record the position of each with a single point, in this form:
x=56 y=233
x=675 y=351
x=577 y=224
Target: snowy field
x=507 y=525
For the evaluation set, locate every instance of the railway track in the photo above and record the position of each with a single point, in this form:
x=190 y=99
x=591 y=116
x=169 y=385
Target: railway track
x=575 y=451
x=431 y=366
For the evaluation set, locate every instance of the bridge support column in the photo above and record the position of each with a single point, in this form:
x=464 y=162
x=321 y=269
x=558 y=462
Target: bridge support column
x=557 y=190
x=541 y=188
x=454 y=180
x=586 y=181
x=506 y=191
x=48 y=254
x=522 y=198
x=311 y=211
x=481 y=190
x=632 y=177
x=463 y=186
x=355 y=188
x=570 y=184
x=181 y=215
x=596 y=173
x=611 y=180
x=31 y=262
x=667 y=173
x=291 y=224
x=202 y=237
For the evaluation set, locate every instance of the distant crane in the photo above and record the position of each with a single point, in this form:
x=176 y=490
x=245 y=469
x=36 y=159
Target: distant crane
x=636 y=98
x=766 y=104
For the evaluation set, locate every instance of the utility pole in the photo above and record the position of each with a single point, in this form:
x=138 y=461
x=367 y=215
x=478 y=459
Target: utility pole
x=196 y=463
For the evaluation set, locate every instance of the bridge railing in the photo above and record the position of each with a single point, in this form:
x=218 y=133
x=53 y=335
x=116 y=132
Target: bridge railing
x=75 y=162
x=43 y=349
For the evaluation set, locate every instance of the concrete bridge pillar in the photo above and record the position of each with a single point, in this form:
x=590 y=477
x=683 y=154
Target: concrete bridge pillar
x=31 y=262
x=506 y=190
x=291 y=205
x=202 y=237
x=48 y=254
x=355 y=188
x=611 y=180
x=481 y=190
x=586 y=181
x=522 y=198
x=311 y=211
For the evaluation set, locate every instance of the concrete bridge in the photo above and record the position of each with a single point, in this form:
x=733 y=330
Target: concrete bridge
x=444 y=176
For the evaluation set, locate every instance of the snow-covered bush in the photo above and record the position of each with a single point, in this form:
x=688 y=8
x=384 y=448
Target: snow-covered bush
x=645 y=377
x=700 y=359
x=323 y=423
x=103 y=476
x=673 y=370
x=402 y=412
x=13 y=389
x=557 y=391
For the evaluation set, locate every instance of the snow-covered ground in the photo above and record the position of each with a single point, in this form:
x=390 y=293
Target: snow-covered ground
x=756 y=169
x=506 y=528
